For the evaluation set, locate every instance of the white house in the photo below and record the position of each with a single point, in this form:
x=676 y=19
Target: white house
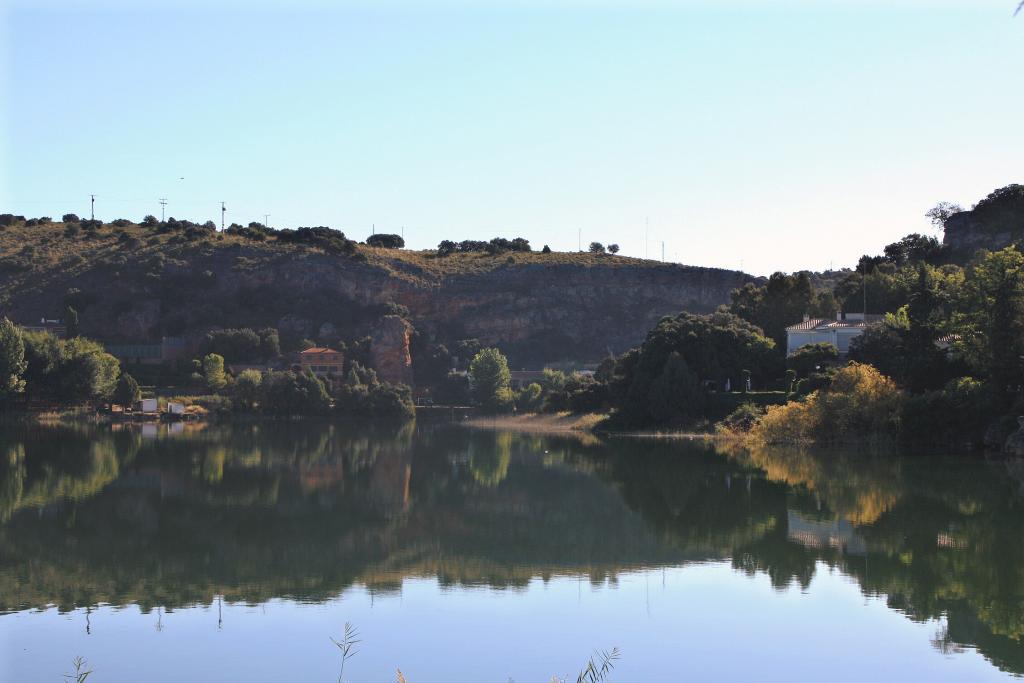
x=837 y=332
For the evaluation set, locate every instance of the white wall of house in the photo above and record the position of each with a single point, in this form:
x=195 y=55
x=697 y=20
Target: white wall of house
x=840 y=338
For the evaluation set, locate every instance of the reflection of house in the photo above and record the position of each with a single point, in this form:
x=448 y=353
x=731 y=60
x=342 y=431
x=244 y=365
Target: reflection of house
x=819 y=534
x=169 y=349
x=837 y=332
x=322 y=361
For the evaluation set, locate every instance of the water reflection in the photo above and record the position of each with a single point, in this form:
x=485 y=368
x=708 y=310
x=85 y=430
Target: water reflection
x=303 y=511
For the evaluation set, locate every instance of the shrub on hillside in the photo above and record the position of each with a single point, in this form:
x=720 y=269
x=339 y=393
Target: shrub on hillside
x=859 y=403
x=385 y=241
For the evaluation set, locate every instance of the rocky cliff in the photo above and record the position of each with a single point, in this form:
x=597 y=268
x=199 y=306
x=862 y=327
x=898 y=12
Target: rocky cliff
x=131 y=284
x=994 y=223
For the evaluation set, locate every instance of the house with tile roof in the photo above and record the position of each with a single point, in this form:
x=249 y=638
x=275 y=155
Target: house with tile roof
x=838 y=332
x=321 y=361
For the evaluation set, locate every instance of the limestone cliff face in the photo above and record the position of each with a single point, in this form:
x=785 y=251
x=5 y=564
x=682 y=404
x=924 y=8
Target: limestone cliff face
x=390 y=350
x=996 y=222
x=541 y=307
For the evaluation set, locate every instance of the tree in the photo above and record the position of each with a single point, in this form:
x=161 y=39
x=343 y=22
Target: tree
x=150 y=221
x=213 y=371
x=596 y=248
x=247 y=388
x=810 y=358
x=294 y=393
x=546 y=250
x=71 y=322
x=385 y=241
x=530 y=398
x=70 y=218
x=940 y=213
x=914 y=248
x=993 y=317
x=127 y=392
x=781 y=302
x=491 y=380
x=650 y=385
x=446 y=247
x=86 y=372
x=613 y=248
x=12 y=359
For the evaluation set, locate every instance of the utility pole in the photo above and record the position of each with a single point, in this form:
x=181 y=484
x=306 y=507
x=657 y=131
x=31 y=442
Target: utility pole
x=222 y=210
x=266 y=220
x=647 y=235
x=92 y=207
x=662 y=251
x=163 y=203
x=579 y=239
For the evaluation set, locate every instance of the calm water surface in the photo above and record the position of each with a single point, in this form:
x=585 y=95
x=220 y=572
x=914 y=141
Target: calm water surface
x=234 y=552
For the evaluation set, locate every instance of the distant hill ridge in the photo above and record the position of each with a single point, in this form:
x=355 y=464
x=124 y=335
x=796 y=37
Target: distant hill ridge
x=137 y=283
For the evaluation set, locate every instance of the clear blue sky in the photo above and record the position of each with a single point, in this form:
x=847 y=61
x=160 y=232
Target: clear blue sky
x=777 y=135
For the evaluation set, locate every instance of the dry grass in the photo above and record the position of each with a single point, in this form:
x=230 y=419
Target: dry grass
x=580 y=426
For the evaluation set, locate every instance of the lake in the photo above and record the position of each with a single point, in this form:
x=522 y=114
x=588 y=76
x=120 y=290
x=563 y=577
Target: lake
x=236 y=552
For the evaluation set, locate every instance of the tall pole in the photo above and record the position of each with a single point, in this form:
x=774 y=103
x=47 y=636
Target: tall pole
x=647 y=235
x=663 y=251
x=579 y=239
x=266 y=220
x=222 y=210
x=92 y=207
x=163 y=203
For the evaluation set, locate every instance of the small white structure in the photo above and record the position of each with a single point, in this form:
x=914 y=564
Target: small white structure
x=147 y=405
x=175 y=408
x=837 y=332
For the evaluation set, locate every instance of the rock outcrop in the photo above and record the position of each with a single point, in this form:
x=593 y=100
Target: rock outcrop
x=995 y=223
x=389 y=348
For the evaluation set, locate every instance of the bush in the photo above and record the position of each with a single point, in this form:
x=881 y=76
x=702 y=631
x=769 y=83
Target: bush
x=956 y=414
x=596 y=248
x=70 y=218
x=859 y=403
x=741 y=420
x=385 y=241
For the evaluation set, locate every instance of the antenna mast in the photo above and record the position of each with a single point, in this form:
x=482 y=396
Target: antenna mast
x=92 y=207
x=222 y=210
x=163 y=203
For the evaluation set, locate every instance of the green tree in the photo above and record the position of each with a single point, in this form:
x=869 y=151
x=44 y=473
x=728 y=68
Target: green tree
x=491 y=380
x=810 y=358
x=87 y=372
x=294 y=393
x=12 y=359
x=71 y=322
x=530 y=398
x=213 y=371
x=993 y=314
x=127 y=392
x=247 y=388
x=781 y=302
x=596 y=248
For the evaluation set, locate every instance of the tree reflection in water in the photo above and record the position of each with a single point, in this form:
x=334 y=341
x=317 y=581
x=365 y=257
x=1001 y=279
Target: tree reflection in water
x=249 y=512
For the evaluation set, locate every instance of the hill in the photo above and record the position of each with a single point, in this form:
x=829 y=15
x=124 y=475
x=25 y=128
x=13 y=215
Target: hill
x=136 y=283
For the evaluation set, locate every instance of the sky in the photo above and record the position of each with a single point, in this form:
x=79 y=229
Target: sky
x=757 y=135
